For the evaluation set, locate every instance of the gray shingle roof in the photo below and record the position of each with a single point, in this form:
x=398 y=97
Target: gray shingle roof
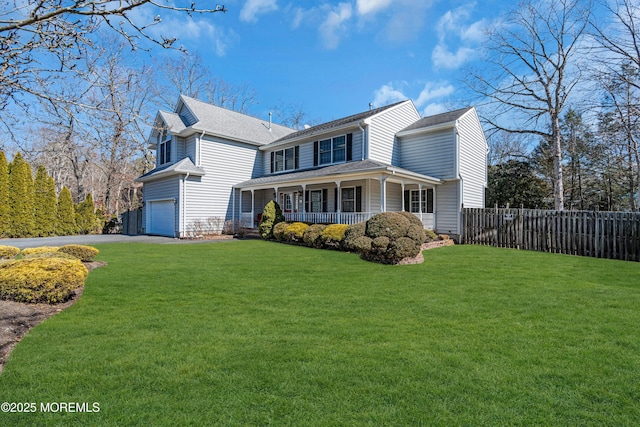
x=182 y=167
x=233 y=125
x=437 y=119
x=173 y=121
x=355 y=118
x=327 y=171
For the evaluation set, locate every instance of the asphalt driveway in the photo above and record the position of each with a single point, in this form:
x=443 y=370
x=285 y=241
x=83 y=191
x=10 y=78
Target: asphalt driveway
x=94 y=239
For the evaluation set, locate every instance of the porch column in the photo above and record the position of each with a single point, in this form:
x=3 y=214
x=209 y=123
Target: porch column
x=252 y=205
x=233 y=208
x=304 y=202
x=383 y=194
x=339 y=202
x=403 y=201
x=420 y=200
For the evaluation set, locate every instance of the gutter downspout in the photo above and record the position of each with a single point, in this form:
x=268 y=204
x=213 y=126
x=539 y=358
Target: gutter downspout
x=362 y=144
x=459 y=176
x=199 y=152
x=184 y=204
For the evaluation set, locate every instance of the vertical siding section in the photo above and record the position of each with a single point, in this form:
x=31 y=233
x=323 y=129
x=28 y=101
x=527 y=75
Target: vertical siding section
x=473 y=160
x=447 y=208
x=383 y=128
x=431 y=154
x=394 y=197
x=226 y=164
x=158 y=190
x=191 y=148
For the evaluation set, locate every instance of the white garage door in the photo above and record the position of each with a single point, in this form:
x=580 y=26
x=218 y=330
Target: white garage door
x=162 y=218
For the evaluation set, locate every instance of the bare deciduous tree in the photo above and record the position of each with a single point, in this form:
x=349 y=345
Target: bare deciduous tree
x=531 y=56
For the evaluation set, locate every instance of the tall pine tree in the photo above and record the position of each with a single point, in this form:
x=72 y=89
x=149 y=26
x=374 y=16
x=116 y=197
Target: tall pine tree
x=66 y=214
x=86 y=216
x=21 y=198
x=45 y=204
x=5 y=212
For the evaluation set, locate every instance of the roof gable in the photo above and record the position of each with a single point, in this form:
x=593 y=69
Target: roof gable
x=436 y=120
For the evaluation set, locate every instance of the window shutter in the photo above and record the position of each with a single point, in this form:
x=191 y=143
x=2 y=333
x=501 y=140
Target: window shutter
x=430 y=201
x=297 y=157
x=335 y=200
x=358 y=199
x=315 y=153
x=349 y=147
x=324 y=200
x=306 y=201
x=273 y=155
x=407 y=201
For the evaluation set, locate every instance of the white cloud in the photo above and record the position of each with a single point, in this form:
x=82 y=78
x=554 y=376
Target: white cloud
x=433 y=109
x=387 y=95
x=453 y=30
x=333 y=28
x=442 y=57
x=253 y=8
x=365 y=7
x=433 y=91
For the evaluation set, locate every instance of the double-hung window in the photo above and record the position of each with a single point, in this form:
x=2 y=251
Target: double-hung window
x=419 y=202
x=284 y=160
x=164 y=149
x=331 y=150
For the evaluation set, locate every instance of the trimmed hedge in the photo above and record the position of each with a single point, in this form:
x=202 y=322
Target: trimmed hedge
x=33 y=252
x=311 y=235
x=333 y=235
x=295 y=231
x=278 y=230
x=82 y=252
x=8 y=252
x=351 y=235
x=389 y=224
x=50 y=280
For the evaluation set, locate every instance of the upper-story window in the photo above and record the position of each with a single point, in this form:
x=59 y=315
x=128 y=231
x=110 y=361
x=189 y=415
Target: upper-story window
x=164 y=149
x=285 y=160
x=332 y=150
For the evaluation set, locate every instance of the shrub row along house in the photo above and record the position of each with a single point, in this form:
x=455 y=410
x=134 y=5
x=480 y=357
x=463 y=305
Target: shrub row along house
x=215 y=166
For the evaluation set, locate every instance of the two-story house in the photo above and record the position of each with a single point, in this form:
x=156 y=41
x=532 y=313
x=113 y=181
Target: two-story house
x=216 y=165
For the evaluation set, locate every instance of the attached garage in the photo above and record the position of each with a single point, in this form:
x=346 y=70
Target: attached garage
x=162 y=218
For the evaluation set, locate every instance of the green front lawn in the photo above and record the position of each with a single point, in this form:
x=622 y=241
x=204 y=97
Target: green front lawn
x=258 y=333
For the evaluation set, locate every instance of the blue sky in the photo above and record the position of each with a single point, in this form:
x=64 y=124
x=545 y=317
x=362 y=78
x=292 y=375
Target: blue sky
x=336 y=57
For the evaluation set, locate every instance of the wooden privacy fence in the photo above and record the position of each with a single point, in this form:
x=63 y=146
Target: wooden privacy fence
x=613 y=235
x=132 y=222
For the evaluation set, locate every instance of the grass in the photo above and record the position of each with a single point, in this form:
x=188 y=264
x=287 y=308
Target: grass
x=258 y=333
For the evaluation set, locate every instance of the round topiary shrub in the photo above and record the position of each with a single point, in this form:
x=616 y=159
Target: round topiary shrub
x=412 y=218
x=279 y=230
x=362 y=245
x=352 y=233
x=380 y=243
x=416 y=232
x=333 y=235
x=82 y=252
x=271 y=215
x=50 y=280
x=311 y=235
x=401 y=248
x=295 y=231
x=389 y=224
x=8 y=252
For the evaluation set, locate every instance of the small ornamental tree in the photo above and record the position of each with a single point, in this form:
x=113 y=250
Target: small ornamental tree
x=271 y=215
x=21 y=198
x=45 y=204
x=5 y=212
x=66 y=223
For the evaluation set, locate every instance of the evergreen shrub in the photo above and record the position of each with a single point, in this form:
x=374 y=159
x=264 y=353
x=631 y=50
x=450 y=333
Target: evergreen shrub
x=295 y=232
x=412 y=218
x=431 y=236
x=50 y=280
x=30 y=252
x=353 y=232
x=279 y=230
x=82 y=252
x=271 y=215
x=311 y=235
x=8 y=252
x=389 y=224
x=417 y=233
x=333 y=235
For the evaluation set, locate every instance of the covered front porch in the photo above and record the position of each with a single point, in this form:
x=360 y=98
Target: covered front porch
x=337 y=196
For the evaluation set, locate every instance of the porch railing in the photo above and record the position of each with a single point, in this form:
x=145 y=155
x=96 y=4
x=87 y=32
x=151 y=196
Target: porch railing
x=329 y=218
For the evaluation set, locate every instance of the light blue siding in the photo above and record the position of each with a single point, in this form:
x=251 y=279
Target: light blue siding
x=383 y=128
x=431 y=154
x=447 y=208
x=163 y=189
x=473 y=160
